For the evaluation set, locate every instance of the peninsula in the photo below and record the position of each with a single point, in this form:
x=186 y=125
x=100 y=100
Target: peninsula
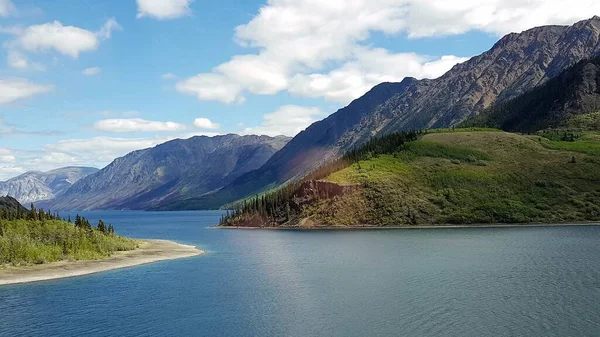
x=149 y=251
x=36 y=245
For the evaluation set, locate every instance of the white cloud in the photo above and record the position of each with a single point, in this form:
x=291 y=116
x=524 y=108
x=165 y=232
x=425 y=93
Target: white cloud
x=106 y=31
x=91 y=71
x=209 y=87
x=168 y=76
x=163 y=9
x=54 y=36
x=18 y=60
x=205 y=123
x=288 y=120
x=369 y=68
x=7 y=8
x=305 y=45
x=15 y=89
x=499 y=17
x=67 y=40
x=104 y=149
x=7 y=156
x=136 y=125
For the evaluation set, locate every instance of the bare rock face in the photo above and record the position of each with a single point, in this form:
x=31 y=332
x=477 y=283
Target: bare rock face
x=33 y=187
x=555 y=104
x=171 y=171
x=517 y=63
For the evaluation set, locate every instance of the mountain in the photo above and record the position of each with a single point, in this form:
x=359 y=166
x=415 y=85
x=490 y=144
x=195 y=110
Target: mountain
x=565 y=101
x=177 y=169
x=32 y=187
x=11 y=204
x=515 y=64
x=461 y=176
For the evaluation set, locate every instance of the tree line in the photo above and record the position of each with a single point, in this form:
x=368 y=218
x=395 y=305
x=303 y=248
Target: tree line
x=33 y=214
x=278 y=205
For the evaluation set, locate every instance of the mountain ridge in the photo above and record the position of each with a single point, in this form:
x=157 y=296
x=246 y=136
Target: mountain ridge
x=146 y=178
x=38 y=186
x=517 y=63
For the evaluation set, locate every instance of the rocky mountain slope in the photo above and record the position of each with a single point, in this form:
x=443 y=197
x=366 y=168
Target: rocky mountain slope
x=177 y=169
x=569 y=97
x=515 y=64
x=32 y=187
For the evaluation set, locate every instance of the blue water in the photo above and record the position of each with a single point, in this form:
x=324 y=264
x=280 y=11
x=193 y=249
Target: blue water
x=425 y=282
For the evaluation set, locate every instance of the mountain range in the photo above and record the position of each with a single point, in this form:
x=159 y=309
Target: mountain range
x=35 y=186
x=174 y=170
x=570 y=100
x=207 y=173
x=516 y=64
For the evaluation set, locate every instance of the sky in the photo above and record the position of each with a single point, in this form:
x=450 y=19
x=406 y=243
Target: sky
x=83 y=82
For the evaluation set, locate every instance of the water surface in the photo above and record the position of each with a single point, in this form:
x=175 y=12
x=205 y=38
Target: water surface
x=424 y=282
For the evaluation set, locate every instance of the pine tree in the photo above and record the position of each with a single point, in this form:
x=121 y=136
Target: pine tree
x=33 y=215
x=102 y=226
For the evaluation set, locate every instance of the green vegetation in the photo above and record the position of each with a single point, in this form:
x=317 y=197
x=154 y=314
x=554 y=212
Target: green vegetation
x=277 y=206
x=451 y=177
x=35 y=237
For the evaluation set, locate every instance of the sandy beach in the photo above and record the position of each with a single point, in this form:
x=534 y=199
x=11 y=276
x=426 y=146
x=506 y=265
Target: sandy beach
x=149 y=251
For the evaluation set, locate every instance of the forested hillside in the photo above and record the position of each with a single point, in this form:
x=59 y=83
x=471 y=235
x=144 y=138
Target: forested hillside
x=444 y=177
x=34 y=237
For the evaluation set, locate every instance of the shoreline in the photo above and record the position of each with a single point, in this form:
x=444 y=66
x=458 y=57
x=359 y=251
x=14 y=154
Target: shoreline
x=150 y=251
x=352 y=228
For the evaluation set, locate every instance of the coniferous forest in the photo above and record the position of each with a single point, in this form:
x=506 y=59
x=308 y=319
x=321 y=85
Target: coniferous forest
x=278 y=205
x=35 y=236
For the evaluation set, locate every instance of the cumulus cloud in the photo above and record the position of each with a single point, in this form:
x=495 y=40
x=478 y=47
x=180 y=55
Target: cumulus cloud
x=288 y=120
x=15 y=89
x=163 y=9
x=205 y=123
x=499 y=17
x=52 y=36
x=136 y=125
x=67 y=40
x=306 y=45
x=369 y=68
x=91 y=71
x=212 y=87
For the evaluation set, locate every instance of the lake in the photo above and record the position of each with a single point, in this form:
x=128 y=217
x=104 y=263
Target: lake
x=419 y=282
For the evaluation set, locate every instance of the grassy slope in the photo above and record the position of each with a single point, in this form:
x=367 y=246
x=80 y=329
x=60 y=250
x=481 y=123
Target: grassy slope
x=470 y=177
x=25 y=242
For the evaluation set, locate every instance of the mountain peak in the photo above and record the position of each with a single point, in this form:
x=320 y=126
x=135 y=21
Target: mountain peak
x=35 y=186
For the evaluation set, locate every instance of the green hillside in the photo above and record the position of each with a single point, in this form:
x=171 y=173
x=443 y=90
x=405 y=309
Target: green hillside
x=450 y=177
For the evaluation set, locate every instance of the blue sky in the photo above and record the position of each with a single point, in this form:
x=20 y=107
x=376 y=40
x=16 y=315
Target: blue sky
x=82 y=82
